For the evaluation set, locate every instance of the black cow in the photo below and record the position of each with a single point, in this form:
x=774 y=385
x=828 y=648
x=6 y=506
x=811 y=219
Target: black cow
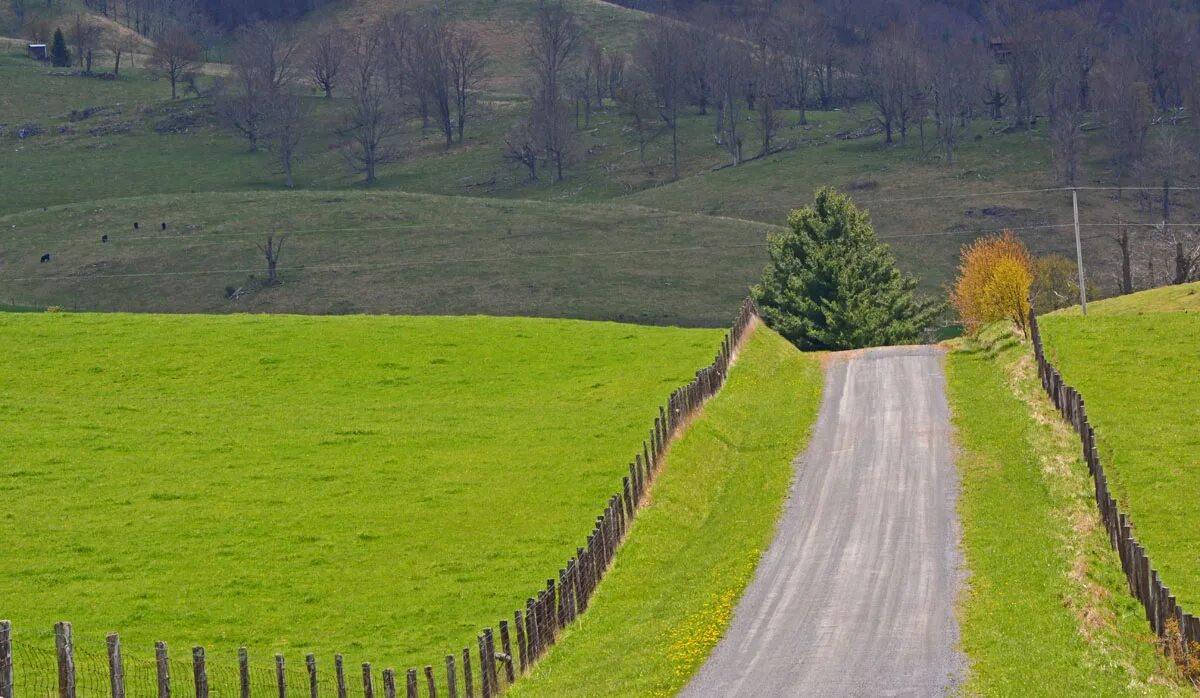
x=103 y=238
x=45 y=258
x=164 y=226
x=135 y=225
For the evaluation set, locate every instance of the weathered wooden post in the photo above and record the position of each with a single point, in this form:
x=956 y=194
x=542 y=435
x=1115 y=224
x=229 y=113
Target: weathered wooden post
x=368 y=681
x=430 y=684
x=6 y=661
x=311 y=661
x=116 y=668
x=467 y=685
x=163 y=668
x=389 y=683
x=451 y=677
x=506 y=647
x=243 y=672
x=410 y=685
x=200 y=672
x=64 y=645
x=280 y=676
x=339 y=668
x=485 y=684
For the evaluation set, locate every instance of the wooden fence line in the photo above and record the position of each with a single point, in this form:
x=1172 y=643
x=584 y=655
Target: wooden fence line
x=537 y=626
x=1144 y=581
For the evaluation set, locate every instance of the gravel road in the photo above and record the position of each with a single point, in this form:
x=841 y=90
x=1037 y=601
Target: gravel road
x=855 y=596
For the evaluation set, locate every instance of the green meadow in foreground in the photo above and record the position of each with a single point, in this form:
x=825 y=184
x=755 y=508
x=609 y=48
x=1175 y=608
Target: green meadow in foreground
x=1136 y=368
x=1047 y=611
x=378 y=486
x=674 y=584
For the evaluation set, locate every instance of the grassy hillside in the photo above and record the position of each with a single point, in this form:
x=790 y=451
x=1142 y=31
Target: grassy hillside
x=1047 y=611
x=1134 y=360
x=714 y=511
x=359 y=484
x=354 y=252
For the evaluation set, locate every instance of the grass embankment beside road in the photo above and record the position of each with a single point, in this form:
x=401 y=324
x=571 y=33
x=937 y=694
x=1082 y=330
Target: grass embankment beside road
x=1047 y=611
x=1134 y=359
x=378 y=486
x=691 y=553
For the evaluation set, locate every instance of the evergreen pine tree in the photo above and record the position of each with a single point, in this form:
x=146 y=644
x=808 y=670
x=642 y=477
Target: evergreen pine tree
x=60 y=57
x=832 y=285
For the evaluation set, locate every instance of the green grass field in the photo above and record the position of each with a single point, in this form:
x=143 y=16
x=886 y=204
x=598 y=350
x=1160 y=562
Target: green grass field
x=714 y=510
x=1047 y=611
x=383 y=252
x=383 y=487
x=1134 y=361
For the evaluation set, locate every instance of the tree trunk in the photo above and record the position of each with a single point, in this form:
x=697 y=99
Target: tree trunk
x=1126 y=264
x=674 y=148
x=117 y=64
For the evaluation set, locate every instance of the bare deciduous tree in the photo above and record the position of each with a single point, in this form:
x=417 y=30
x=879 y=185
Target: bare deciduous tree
x=553 y=46
x=636 y=98
x=521 y=145
x=284 y=129
x=263 y=67
x=175 y=55
x=469 y=65
x=85 y=36
x=327 y=49
x=953 y=69
x=373 y=115
x=1127 y=107
x=661 y=59
x=271 y=252
x=731 y=76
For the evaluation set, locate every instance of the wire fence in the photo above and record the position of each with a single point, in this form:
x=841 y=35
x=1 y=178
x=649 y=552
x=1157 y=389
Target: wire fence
x=1179 y=630
x=56 y=667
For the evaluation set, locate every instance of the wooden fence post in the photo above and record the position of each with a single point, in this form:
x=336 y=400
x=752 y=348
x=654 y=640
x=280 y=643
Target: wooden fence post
x=339 y=670
x=451 y=677
x=313 y=689
x=64 y=645
x=368 y=681
x=506 y=646
x=467 y=685
x=6 y=660
x=430 y=684
x=280 y=676
x=389 y=683
x=519 y=624
x=243 y=672
x=163 y=668
x=200 y=672
x=493 y=672
x=411 y=684
x=485 y=683
x=116 y=668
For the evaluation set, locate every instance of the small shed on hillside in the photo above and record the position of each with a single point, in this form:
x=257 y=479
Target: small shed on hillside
x=37 y=52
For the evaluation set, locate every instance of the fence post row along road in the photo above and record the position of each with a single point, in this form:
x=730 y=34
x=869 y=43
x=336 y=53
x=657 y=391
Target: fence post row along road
x=504 y=654
x=1144 y=582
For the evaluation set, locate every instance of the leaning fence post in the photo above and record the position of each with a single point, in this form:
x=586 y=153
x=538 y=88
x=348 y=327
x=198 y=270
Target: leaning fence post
x=429 y=682
x=485 y=684
x=311 y=661
x=339 y=668
x=164 y=669
x=6 y=662
x=451 y=676
x=280 y=676
x=64 y=647
x=506 y=646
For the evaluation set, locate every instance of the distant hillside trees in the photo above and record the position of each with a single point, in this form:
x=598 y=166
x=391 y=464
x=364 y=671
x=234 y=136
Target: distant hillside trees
x=264 y=66
x=175 y=56
x=374 y=114
x=659 y=53
x=325 y=52
x=553 y=47
x=831 y=285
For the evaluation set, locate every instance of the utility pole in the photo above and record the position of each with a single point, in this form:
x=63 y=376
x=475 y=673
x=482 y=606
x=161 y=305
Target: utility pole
x=1079 y=252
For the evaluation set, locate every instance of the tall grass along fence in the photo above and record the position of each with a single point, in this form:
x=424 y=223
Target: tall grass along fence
x=1179 y=631
x=56 y=666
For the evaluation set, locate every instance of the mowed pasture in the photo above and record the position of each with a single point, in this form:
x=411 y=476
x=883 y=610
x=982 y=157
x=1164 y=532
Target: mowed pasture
x=1134 y=359
x=378 y=486
x=382 y=252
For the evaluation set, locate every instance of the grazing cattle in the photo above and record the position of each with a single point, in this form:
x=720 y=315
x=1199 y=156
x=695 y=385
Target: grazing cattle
x=135 y=225
x=45 y=258
x=103 y=238
x=164 y=226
